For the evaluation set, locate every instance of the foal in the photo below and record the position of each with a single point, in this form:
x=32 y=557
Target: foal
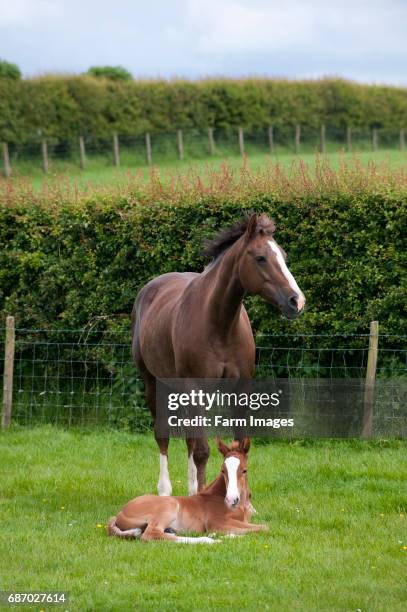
x=224 y=506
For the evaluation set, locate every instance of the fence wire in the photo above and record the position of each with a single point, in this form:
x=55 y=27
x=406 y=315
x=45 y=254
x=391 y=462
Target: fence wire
x=76 y=377
x=196 y=144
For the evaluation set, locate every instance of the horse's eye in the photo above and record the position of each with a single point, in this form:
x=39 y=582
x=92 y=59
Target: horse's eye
x=244 y=471
x=260 y=258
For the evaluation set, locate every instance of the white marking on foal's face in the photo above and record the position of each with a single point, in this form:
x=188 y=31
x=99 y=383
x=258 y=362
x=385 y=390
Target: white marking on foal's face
x=232 y=494
x=286 y=272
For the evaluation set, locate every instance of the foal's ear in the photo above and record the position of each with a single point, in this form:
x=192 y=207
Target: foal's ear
x=244 y=445
x=252 y=226
x=222 y=446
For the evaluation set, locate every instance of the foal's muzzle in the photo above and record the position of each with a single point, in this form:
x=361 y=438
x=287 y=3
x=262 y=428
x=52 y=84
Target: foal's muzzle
x=232 y=502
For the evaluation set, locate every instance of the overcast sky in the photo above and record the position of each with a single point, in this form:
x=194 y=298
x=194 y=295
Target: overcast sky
x=361 y=40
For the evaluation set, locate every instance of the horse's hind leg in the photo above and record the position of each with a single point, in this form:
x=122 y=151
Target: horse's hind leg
x=201 y=456
x=192 y=471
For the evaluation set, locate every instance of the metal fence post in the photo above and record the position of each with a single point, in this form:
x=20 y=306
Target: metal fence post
x=368 y=405
x=8 y=372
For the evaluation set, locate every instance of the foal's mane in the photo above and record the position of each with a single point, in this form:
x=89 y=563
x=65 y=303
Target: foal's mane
x=229 y=235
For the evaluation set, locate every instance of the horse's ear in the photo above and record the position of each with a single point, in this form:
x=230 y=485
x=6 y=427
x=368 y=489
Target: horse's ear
x=244 y=445
x=222 y=446
x=252 y=226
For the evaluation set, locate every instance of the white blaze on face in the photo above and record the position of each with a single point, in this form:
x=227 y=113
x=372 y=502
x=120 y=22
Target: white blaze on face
x=286 y=272
x=232 y=493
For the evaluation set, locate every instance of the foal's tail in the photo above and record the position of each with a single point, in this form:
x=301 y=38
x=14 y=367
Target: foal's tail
x=114 y=530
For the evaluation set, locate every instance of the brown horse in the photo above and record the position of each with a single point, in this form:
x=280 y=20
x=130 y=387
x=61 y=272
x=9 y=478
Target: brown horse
x=223 y=506
x=188 y=325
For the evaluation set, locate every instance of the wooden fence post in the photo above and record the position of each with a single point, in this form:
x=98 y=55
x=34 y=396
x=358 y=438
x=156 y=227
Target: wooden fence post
x=6 y=160
x=116 y=150
x=211 y=142
x=375 y=139
x=82 y=153
x=297 y=138
x=180 y=143
x=148 y=149
x=44 y=151
x=8 y=372
x=368 y=404
x=323 y=144
x=402 y=139
x=241 y=141
x=271 y=138
x=349 y=138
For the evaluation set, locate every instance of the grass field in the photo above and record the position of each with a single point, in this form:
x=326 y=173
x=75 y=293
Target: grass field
x=100 y=172
x=336 y=512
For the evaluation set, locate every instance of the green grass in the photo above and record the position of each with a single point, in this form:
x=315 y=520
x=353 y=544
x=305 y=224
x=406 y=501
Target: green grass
x=99 y=170
x=336 y=513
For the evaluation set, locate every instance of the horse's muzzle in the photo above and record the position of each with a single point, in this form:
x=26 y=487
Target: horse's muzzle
x=294 y=306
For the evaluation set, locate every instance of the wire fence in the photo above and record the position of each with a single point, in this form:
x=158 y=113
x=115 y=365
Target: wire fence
x=77 y=377
x=134 y=150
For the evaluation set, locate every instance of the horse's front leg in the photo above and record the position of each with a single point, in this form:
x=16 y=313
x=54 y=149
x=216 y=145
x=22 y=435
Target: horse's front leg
x=164 y=483
x=192 y=471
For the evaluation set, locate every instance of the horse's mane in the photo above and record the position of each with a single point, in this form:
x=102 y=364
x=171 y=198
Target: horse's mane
x=229 y=235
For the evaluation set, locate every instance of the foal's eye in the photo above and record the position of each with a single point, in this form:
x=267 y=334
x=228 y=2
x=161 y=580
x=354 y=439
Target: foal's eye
x=244 y=471
x=260 y=258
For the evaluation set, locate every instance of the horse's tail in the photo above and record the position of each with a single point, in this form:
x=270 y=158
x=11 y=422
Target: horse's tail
x=114 y=530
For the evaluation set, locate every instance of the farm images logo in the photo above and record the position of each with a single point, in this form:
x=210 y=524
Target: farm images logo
x=280 y=408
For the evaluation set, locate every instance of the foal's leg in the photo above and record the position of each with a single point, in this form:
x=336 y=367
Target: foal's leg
x=164 y=483
x=201 y=455
x=192 y=471
x=239 y=527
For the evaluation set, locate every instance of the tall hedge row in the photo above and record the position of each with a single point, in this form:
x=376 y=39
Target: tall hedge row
x=63 y=107
x=63 y=263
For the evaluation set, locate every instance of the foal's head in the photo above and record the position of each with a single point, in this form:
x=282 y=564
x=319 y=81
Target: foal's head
x=234 y=470
x=261 y=263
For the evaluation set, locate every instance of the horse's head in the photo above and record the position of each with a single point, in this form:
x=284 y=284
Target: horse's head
x=263 y=270
x=234 y=471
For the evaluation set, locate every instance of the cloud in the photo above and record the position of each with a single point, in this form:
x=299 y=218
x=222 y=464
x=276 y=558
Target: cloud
x=23 y=13
x=357 y=39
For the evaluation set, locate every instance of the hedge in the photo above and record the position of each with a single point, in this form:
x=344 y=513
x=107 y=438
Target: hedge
x=68 y=258
x=61 y=107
